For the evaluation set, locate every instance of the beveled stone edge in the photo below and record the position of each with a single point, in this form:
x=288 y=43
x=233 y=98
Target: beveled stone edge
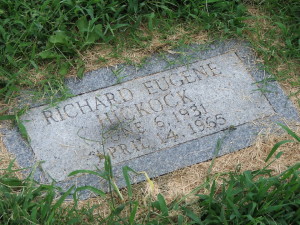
x=277 y=99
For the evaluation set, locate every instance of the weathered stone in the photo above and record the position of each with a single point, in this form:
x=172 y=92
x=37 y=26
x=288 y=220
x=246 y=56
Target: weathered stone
x=159 y=119
x=144 y=115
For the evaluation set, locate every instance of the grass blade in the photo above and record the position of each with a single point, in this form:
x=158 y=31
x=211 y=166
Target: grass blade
x=23 y=130
x=133 y=213
x=7 y=117
x=58 y=204
x=62 y=198
x=126 y=169
x=85 y=171
x=162 y=205
x=93 y=189
x=290 y=132
x=275 y=147
x=189 y=213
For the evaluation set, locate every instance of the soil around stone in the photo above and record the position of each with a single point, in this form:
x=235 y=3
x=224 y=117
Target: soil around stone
x=182 y=181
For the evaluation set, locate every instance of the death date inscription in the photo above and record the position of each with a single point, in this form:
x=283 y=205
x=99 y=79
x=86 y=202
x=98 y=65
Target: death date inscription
x=184 y=123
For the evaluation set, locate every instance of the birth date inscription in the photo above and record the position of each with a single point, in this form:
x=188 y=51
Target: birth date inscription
x=144 y=115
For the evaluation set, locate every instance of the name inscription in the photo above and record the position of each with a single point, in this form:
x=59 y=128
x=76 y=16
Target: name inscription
x=144 y=115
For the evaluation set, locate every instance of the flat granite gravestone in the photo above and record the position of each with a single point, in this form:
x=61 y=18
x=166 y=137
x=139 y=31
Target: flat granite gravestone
x=164 y=116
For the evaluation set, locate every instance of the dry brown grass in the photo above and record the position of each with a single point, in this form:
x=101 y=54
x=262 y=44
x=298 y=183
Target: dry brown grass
x=262 y=25
x=5 y=156
x=181 y=182
x=157 y=43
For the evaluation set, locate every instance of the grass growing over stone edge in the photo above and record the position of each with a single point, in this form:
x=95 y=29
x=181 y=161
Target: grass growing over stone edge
x=249 y=197
x=46 y=38
x=272 y=31
x=40 y=44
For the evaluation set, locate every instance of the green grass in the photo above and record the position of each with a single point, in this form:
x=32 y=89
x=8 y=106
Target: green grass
x=24 y=201
x=279 y=43
x=48 y=37
x=254 y=197
x=249 y=197
x=51 y=34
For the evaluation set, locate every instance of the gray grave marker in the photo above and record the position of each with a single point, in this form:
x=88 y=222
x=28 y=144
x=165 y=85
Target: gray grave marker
x=159 y=119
